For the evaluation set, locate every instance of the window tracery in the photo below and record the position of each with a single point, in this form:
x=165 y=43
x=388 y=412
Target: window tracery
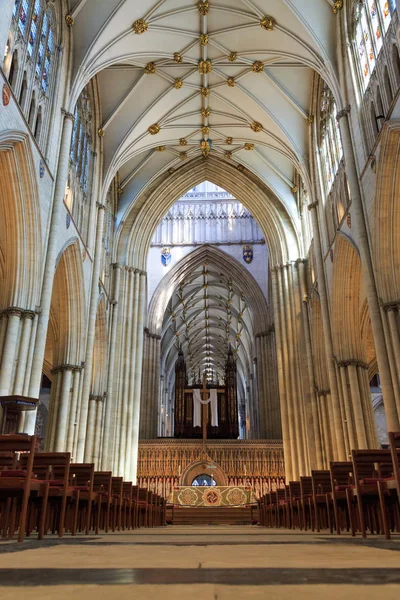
x=372 y=20
x=29 y=59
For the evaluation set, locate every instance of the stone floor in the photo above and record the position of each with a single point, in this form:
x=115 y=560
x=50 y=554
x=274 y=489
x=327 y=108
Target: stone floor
x=209 y=562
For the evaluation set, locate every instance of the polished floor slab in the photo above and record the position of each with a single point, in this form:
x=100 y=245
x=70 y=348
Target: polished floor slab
x=244 y=562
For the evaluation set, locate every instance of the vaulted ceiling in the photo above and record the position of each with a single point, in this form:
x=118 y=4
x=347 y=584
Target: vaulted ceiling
x=172 y=73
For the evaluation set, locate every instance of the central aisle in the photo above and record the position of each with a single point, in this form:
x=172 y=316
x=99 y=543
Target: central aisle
x=208 y=562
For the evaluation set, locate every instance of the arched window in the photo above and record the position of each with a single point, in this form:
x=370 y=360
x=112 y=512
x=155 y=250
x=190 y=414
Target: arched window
x=204 y=480
x=77 y=193
x=31 y=50
x=373 y=18
x=331 y=143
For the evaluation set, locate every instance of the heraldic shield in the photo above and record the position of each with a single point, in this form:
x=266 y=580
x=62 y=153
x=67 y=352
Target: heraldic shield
x=248 y=253
x=166 y=256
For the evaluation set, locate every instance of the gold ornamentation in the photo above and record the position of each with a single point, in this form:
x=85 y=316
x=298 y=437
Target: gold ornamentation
x=232 y=57
x=150 y=68
x=295 y=189
x=256 y=126
x=70 y=21
x=171 y=171
x=240 y=168
x=310 y=119
x=101 y=132
x=204 y=67
x=205 y=112
x=204 y=7
x=205 y=130
x=248 y=146
x=230 y=81
x=338 y=5
x=229 y=141
x=178 y=58
x=204 y=39
x=120 y=190
x=258 y=66
x=178 y=84
x=183 y=142
x=268 y=23
x=154 y=129
x=228 y=153
x=183 y=155
x=140 y=26
x=205 y=92
x=160 y=148
x=205 y=153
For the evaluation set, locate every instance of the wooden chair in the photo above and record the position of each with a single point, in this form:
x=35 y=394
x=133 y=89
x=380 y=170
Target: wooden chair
x=102 y=481
x=116 y=503
x=17 y=487
x=53 y=467
x=321 y=493
x=306 y=495
x=394 y=444
x=143 y=507
x=135 y=500
x=371 y=469
x=127 y=505
x=341 y=480
x=82 y=480
x=294 y=503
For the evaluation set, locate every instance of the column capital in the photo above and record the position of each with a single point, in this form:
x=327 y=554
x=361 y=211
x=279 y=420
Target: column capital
x=344 y=112
x=101 y=206
x=29 y=314
x=117 y=266
x=351 y=362
x=68 y=115
x=13 y=311
x=66 y=367
x=313 y=205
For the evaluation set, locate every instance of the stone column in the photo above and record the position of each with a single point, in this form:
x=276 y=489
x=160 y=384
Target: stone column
x=138 y=375
x=326 y=324
x=316 y=460
x=63 y=408
x=280 y=340
x=98 y=430
x=76 y=378
x=357 y=407
x=109 y=414
x=392 y=361
x=87 y=375
x=368 y=272
x=348 y=408
x=9 y=350
x=132 y=373
x=91 y=427
x=29 y=357
x=50 y=267
x=27 y=320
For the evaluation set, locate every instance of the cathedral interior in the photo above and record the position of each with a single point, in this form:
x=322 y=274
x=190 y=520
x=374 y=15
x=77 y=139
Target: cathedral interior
x=200 y=287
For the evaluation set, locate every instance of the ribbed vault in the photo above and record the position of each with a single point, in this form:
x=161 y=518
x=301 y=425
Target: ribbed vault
x=207 y=301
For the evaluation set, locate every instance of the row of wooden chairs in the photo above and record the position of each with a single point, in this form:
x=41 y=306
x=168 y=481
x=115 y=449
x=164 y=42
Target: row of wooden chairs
x=45 y=492
x=359 y=495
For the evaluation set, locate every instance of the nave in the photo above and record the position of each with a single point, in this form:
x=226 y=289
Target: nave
x=209 y=562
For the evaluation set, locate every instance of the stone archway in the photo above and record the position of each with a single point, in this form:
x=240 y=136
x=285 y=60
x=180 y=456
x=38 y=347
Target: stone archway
x=203 y=465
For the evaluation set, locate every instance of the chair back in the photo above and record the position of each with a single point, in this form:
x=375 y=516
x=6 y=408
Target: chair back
x=305 y=487
x=280 y=495
x=371 y=464
x=102 y=481
x=12 y=445
x=50 y=466
x=341 y=474
x=82 y=475
x=127 y=490
x=144 y=494
x=294 y=490
x=321 y=482
x=116 y=486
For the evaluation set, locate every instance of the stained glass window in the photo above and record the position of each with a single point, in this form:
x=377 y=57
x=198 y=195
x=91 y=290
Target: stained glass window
x=81 y=146
x=373 y=19
x=35 y=24
x=23 y=15
x=331 y=143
